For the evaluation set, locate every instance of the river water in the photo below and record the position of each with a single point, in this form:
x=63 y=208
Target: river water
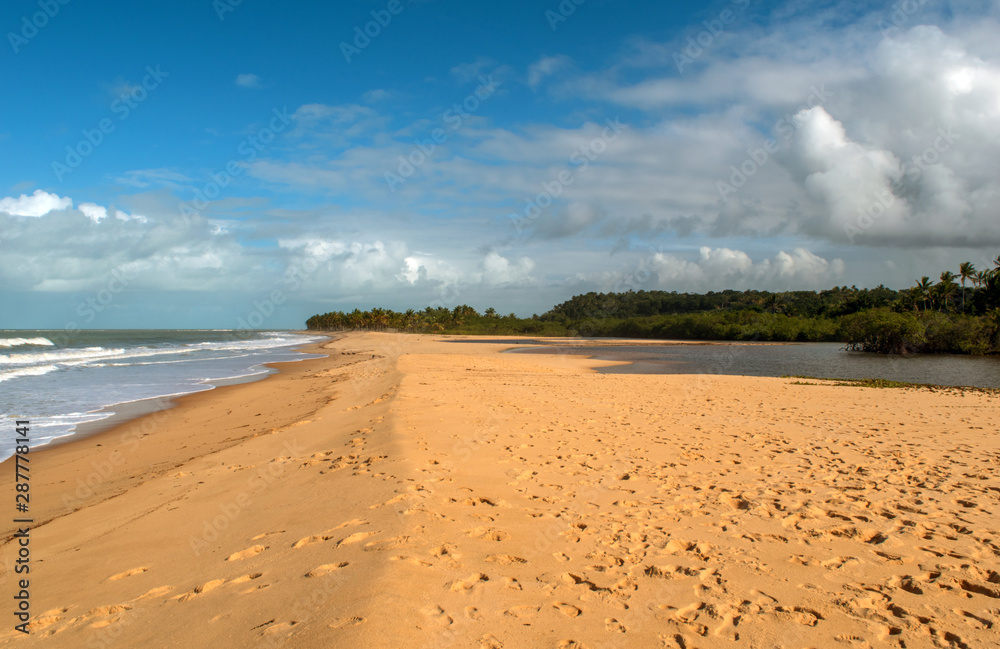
x=823 y=360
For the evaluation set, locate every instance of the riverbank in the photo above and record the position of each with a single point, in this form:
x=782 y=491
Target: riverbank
x=408 y=491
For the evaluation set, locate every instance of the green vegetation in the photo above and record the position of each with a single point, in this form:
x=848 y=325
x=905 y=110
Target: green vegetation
x=943 y=317
x=888 y=384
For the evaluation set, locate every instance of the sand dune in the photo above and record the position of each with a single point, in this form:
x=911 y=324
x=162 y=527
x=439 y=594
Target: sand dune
x=407 y=492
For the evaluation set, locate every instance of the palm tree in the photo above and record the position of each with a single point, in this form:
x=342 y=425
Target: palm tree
x=924 y=285
x=409 y=319
x=966 y=271
x=947 y=288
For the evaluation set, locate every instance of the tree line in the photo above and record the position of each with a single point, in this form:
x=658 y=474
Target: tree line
x=958 y=314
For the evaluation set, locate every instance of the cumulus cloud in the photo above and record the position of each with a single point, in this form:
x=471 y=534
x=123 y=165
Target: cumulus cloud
x=424 y=268
x=38 y=204
x=500 y=271
x=93 y=212
x=720 y=268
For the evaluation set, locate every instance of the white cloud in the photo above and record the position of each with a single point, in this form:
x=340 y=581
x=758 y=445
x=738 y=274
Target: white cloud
x=722 y=268
x=500 y=271
x=94 y=212
x=38 y=204
x=429 y=268
x=248 y=81
x=546 y=67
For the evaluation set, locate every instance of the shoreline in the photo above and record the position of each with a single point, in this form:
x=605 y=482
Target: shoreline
x=125 y=431
x=122 y=413
x=410 y=491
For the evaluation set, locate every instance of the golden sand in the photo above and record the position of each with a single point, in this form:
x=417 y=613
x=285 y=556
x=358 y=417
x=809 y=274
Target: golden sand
x=413 y=492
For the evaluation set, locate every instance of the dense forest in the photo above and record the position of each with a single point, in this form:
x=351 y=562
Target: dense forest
x=960 y=313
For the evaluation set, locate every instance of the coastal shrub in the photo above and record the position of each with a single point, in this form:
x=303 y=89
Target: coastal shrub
x=883 y=331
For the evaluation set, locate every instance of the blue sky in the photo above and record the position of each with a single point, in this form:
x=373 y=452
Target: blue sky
x=210 y=164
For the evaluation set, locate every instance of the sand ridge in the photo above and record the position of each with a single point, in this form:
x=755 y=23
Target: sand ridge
x=408 y=492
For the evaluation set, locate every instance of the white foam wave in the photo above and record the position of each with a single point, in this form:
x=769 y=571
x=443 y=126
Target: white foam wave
x=37 y=370
x=17 y=342
x=62 y=356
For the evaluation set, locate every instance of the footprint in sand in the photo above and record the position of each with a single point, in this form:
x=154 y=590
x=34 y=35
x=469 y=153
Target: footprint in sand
x=445 y=550
x=348 y=622
x=245 y=578
x=155 y=592
x=266 y=534
x=420 y=563
x=436 y=617
x=357 y=537
x=281 y=629
x=469 y=583
x=803 y=616
x=207 y=587
x=521 y=612
x=488 y=533
x=106 y=611
x=387 y=544
x=309 y=540
x=127 y=573
x=567 y=609
x=245 y=554
x=48 y=618
x=326 y=569
x=505 y=559
x=614 y=626
x=489 y=642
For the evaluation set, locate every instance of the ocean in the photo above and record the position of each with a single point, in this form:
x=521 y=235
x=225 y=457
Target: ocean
x=61 y=380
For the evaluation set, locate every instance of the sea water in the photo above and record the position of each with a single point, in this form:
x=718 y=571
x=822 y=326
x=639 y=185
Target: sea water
x=60 y=380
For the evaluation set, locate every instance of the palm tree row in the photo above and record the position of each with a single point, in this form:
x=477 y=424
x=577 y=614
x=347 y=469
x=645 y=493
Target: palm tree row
x=941 y=295
x=377 y=319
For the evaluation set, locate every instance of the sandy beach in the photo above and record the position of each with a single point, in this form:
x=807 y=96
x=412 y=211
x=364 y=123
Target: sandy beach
x=414 y=491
